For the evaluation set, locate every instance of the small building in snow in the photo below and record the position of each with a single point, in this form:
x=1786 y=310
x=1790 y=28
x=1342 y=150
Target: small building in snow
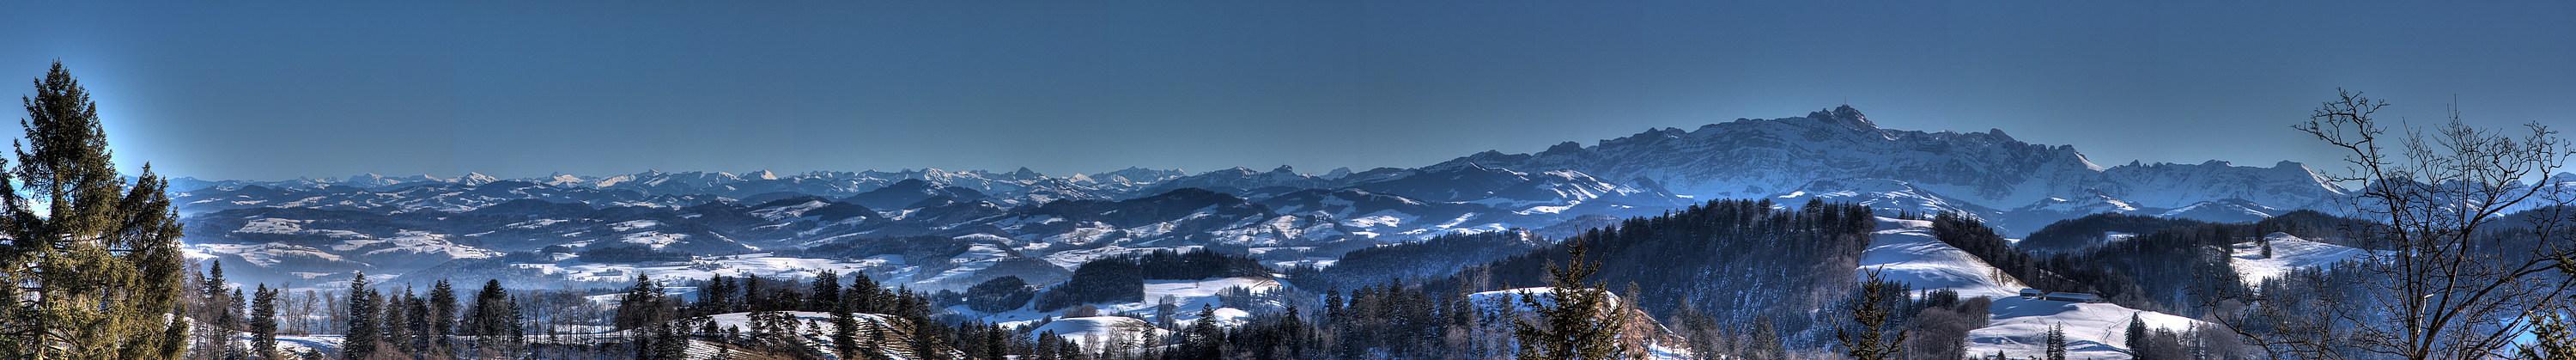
x=2059 y=296
x=2071 y=297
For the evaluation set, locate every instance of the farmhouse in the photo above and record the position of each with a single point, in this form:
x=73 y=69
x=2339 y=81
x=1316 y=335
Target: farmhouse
x=2059 y=296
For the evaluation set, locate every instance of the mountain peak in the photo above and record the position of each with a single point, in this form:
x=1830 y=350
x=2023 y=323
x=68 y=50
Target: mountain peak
x=1563 y=148
x=1844 y=116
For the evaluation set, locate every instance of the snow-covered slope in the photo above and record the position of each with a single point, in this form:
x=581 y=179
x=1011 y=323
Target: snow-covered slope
x=1661 y=343
x=1904 y=251
x=1749 y=158
x=1092 y=332
x=2289 y=253
x=2092 y=330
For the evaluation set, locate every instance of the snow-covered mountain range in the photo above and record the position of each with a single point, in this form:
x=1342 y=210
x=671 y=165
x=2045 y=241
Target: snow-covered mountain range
x=941 y=229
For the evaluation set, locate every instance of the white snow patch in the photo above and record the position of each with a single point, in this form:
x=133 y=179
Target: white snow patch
x=2289 y=253
x=2092 y=330
x=1904 y=251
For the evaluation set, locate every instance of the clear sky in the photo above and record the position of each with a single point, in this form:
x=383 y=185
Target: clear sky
x=279 y=89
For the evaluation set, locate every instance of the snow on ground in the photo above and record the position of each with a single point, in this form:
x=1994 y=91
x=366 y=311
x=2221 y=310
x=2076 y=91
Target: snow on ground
x=1904 y=251
x=736 y=265
x=269 y=254
x=417 y=243
x=634 y=225
x=1383 y=218
x=2093 y=331
x=1512 y=298
x=1090 y=331
x=1187 y=297
x=811 y=330
x=977 y=257
x=303 y=343
x=1071 y=259
x=2288 y=253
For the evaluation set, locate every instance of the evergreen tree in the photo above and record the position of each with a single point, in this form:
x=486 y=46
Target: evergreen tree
x=845 y=334
x=236 y=311
x=442 y=312
x=96 y=274
x=214 y=296
x=1206 y=340
x=1575 y=321
x=396 y=322
x=827 y=292
x=1766 y=341
x=716 y=297
x=2266 y=242
x=2055 y=342
x=642 y=305
x=493 y=320
x=1872 y=319
x=2135 y=338
x=359 y=343
x=865 y=295
x=753 y=295
x=263 y=322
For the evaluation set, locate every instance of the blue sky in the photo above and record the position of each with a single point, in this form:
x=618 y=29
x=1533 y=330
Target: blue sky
x=273 y=89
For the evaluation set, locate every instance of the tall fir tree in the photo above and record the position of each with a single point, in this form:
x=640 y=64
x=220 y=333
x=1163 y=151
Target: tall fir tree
x=1574 y=321
x=717 y=297
x=359 y=342
x=753 y=295
x=2136 y=338
x=442 y=313
x=643 y=304
x=263 y=322
x=96 y=272
x=2055 y=342
x=865 y=295
x=827 y=292
x=1872 y=319
x=845 y=334
x=1206 y=340
x=493 y=321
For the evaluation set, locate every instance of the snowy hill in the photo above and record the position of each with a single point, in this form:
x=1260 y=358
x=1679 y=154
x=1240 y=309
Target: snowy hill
x=1186 y=297
x=1661 y=343
x=2092 y=330
x=942 y=229
x=2289 y=253
x=1749 y=158
x=1904 y=251
x=1095 y=331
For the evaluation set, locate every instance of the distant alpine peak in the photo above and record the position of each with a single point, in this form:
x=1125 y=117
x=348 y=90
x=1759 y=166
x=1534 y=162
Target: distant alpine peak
x=1845 y=116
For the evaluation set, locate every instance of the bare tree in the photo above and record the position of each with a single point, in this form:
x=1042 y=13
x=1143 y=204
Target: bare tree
x=2448 y=281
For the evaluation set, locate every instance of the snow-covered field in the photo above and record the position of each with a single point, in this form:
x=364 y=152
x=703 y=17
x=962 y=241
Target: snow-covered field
x=1096 y=330
x=707 y=267
x=1512 y=299
x=1904 y=251
x=2093 y=331
x=1186 y=295
x=2289 y=253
